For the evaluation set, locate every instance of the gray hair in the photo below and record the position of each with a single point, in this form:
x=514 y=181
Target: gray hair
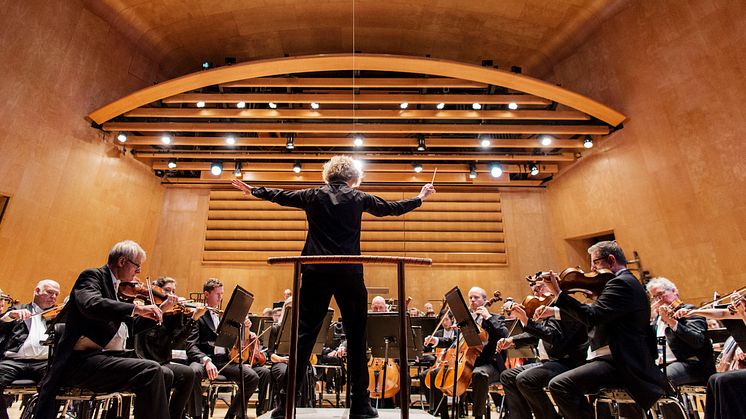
x=128 y=249
x=606 y=248
x=342 y=168
x=47 y=283
x=479 y=290
x=666 y=283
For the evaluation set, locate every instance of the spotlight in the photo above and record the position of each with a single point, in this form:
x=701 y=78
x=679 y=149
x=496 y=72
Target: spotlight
x=588 y=143
x=358 y=141
x=172 y=163
x=166 y=139
x=417 y=167
x=296 y=167
x=496 y=170
x=359 y=164
x=122 y=137
x=216 y=168
x=421 y=143
x=201 y=104
x=440 y=105
x=476 y=106
x=534 y=170
x=230 y=140
x=512 y=106
x=237 y=170
x=546 y=139
x=314 y=105
x=485 y=142
x=272 y=105
x=404 y=105
x=241 y=104
x=290 y=143
x=472 y=171
x=206 y=65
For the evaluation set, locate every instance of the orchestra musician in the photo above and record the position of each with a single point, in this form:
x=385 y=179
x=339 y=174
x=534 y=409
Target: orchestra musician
x=90 y=353
x=378 y=305
x=334 y=212
x=206 y=358
x=622 y=346
x=562 y=344
x=442 y=339
x=23 y=355
x=158 y=343
x=689 y=358
x=429 y=311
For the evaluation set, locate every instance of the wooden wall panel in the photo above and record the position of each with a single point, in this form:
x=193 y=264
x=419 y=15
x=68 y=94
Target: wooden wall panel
x=670 y=184
x=73 y=195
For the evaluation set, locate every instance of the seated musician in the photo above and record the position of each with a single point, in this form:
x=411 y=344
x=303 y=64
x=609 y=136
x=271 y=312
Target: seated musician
x=689 y=358
x=158 y=343
x=489 y=364
x=429 y=311
x=441 y=339
x=378 y=305
x=622 y=351
x=562 y=344
x=90 y=353
x=206 y=358
x=334 y=354
x=23 y=355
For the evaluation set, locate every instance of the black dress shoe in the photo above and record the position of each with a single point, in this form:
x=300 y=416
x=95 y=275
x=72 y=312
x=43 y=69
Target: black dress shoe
x=362 y=410
x=278 y=412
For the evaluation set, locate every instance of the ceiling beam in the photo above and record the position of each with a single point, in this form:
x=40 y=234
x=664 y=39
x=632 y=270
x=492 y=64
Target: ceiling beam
x=464 y=157
x=359 y=82
x=364 y=98
x=355 y=128
x=315 y=180
x=300 y=142
x=356 y=114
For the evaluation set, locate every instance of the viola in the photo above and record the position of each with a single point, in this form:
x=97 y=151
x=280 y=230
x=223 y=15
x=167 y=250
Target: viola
x=131 y=291
x=591 y=283
x=532 y=302
x=52 y=313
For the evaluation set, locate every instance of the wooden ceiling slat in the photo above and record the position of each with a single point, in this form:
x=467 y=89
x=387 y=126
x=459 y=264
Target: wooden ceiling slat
x=346 y=128
x=315 y=181
x=363 y=98
x=357 y=114
x=369 y=168
x=320 y=157
x=363 y=83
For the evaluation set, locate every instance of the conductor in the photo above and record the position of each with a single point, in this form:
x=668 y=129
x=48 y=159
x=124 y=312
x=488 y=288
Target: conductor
x=334 y=213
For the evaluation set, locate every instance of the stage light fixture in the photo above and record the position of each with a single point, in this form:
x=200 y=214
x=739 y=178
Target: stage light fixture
x=166 y=139
x=472 y=171
x=296 y=167
x=588 y=142
x=122 y=137
x=314 y=105
x=512 y=106
x=230 y=140
x=290 y=143
x=496 y=170
x=241 y=105
x=237 y=170
x=404 y=105
x=546 y=140
x=485 y=142
x=272 y=105
x=172 y=163
x=440 y=105
x=476 y=106
x=421 y=143
x=417 y=168
x=358 y=141
x=216 y=168
x=201 y=104
x=534 y=170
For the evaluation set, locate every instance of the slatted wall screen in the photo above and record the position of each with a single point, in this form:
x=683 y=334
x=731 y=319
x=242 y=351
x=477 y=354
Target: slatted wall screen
x=456 y=228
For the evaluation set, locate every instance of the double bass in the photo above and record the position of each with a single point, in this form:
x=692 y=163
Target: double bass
x=383 y=374
x=457 y=370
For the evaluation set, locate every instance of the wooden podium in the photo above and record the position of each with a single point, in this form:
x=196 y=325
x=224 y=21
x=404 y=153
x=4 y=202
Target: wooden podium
x=297 y=261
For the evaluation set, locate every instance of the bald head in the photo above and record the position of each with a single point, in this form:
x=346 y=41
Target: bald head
x=378 y=304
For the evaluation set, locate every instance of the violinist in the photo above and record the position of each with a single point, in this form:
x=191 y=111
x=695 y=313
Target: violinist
x=90 y=353
x=562 y=344
x=157 y=344
x=206 y=358
x=689 y=358
x=23 y=356
x=622 y=346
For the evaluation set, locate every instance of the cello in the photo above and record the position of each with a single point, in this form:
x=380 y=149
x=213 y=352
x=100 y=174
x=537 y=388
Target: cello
x=383 y=374
x=462 y=362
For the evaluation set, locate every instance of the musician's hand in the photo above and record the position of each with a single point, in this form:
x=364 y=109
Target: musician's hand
x=504 y=344
x=427 y=190
x=482 y=311
x=20 y=314
x=341 y=351
x=430 y=340
x=682 y=313
x=247 y=322
x=666 y=316
x=245 y=188
x=553 y=285
x=199 y=312
x=151 y=312
x=212 y=370
x=520 y=314
x=170 y=302
x=544 y=312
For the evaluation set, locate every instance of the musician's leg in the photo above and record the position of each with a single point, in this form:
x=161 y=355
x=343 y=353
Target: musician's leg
x=569 y=389
x=264 y=378
x=480 y=382
x=517 y=404
x=531 y=383
x=251 y=381
x=196 y=400
x=681 y=373
x=183 y=385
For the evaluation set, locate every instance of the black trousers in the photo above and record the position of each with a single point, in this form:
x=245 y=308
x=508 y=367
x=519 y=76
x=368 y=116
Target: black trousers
x=569 y=389
x=725 y=395
x=18 y=369
x=524 y=388
x=233 y=373
x=179 y=378
x=349 y=291
x=682 y=373
x=105 y=372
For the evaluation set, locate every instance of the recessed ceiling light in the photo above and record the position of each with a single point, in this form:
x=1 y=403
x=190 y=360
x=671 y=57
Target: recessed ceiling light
x=230 y=140
x=512 y=106
x=122 y=137
x=200 y=104
x=241 y=105
x=166 y=139
x=404 y=105
x=440 y=105
x=314 y=105
x=476 y=106
x=546 y=139
x=272 y=105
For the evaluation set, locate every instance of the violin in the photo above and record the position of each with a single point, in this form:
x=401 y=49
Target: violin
x=7 y=298
x=251 y=354
x=532 y=302
x=51 y=313
x=132 y=291
x=446 y=380
x=575 y=280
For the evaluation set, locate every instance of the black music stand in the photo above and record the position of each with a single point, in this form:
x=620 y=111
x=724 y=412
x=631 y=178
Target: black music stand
x=426 y=323
x=283 y=336
x=231 y=329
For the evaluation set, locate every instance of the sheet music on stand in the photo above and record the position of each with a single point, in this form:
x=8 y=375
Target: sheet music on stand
x=283 y=336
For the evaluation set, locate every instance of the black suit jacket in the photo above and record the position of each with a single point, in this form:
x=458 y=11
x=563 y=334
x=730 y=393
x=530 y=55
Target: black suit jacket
x=92 y=311
x=495 y=327
x=16 y=332
x=621 y=317
x=689 y=340
x=201 y=341
x=563 y=339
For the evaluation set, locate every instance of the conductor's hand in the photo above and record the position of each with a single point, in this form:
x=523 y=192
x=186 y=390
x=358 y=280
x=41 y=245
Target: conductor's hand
x=151 y=312
x=212 y=370
x=427 y=190
x=242 y=186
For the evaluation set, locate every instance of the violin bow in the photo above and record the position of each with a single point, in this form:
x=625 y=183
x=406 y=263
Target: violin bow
x=150 y=294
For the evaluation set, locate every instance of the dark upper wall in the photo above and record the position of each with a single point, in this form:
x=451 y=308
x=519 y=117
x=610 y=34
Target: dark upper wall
x=72 y=194
x=671 y=183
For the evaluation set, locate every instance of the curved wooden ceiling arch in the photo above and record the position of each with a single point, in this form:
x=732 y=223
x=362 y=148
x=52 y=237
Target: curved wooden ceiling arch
x=372 y=62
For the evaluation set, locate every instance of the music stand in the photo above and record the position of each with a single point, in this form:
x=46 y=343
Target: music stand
x=231 y=329
x=737 y=329
x=426 y=323
x=467 y=326
x=283 y=336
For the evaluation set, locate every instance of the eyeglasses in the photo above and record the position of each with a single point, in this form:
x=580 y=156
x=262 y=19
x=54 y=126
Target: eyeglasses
x=593 y=262
x=137 y=265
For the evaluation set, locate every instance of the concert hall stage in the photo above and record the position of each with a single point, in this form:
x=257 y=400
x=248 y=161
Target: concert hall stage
x=342 y=413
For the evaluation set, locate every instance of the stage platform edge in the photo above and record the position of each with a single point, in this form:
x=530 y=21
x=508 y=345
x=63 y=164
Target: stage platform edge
x=342 y=413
